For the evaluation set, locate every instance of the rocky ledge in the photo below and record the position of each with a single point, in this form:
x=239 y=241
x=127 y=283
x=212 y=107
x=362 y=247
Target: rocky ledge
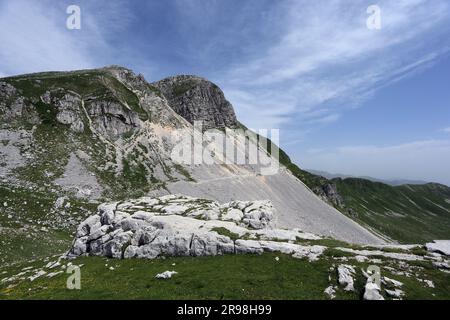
x=177 y=225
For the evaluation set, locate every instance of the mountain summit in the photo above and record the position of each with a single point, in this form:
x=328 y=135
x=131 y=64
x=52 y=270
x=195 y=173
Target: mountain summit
x=197 y=99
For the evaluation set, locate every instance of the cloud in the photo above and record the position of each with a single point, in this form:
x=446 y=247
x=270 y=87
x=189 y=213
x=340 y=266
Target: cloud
x=33 y=41
x=427 y=160
x=35 y=38
x=319 y=35
x=446 y=130
x=324 y=55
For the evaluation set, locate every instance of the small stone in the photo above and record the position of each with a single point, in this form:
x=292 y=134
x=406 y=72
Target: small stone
x=397 y=293
x=165 y=275
x=331 y=292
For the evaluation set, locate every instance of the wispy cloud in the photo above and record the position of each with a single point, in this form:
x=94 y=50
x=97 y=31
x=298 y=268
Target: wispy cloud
x=446 y=130
x=325 y=54
x=392 y=161
x=35 y=38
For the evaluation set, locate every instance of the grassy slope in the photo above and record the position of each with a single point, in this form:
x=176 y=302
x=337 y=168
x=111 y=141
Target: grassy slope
x=98 y=83
x=53 y=142
x=408 y=214
x=221 y=277
x=32 y=228
x=30 y=225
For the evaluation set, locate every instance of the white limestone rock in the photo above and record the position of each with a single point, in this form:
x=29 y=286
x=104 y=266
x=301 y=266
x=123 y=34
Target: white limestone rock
x=165 y=275
x=233 y=214
x=396 y=293
x=391 y=255
x=441 y=265
x=248 y=246
x=176 y=225
x=37 y=275
x=393 y=282
x=372 y=291
x=330 y=292
x=345 y=276
x=440 y=246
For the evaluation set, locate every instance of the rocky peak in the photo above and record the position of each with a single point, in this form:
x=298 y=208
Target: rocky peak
x=197 y=99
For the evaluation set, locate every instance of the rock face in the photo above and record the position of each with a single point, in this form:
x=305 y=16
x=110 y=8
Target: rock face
x=13 y=105
x=329 y=192
x=197 y=99
x=184 y=226
x=110 y=118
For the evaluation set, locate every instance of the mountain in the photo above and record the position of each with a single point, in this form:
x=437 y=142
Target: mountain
x=391 y=182
x=96 y=165
x=405 y=213
x=70 y=140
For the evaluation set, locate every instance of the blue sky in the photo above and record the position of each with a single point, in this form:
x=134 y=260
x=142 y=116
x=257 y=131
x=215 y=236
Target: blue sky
x=347 y=99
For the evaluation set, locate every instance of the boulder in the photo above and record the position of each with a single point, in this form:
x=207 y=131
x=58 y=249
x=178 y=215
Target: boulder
x=440 y=246
x=345 y=277
x=372 y=292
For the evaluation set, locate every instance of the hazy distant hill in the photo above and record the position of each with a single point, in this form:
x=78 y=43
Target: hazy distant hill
x=392 y=182
x=404 y=212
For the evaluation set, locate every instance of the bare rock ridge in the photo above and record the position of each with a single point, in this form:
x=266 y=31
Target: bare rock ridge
x=197 y=99
x=177 y=225
x=117 y=129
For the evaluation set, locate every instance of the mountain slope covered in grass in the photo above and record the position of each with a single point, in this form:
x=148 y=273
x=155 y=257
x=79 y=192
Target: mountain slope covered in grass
x=406 y=213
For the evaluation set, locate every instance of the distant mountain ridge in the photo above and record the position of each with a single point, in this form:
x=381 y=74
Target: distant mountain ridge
x=391 y=182
x=406 y=213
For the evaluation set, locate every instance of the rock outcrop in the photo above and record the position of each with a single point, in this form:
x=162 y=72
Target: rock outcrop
x=328 y=192
x=183 y=226
x=197 y=99
x=13 y=105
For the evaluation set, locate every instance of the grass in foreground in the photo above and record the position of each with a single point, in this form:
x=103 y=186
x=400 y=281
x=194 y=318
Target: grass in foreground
x=222 y=277
x=269 y=276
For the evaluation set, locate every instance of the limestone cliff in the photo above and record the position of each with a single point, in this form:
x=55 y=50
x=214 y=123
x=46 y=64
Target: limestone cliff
x=197 y=99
